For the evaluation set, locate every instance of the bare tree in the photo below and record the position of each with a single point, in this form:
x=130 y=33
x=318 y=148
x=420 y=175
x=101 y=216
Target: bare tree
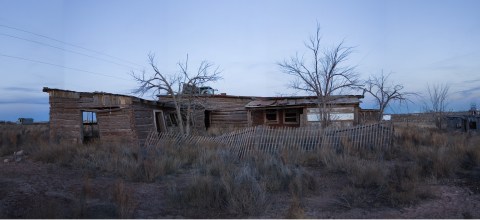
x=385 y=92
x=324 y=74
x=437 y=101
x=174 y=85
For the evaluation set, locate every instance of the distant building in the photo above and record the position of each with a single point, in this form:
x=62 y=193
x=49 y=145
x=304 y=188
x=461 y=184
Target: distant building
x=466 y=122
x=25 y=121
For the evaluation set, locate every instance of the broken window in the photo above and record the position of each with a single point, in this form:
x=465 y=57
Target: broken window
x=89 y=126
x=171 y=119
x=271 y=116
x=313 y=114
x=291 y=116
x=341 y=116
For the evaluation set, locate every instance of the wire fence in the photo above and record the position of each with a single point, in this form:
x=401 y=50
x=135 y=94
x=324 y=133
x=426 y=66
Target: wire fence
x=275 y=140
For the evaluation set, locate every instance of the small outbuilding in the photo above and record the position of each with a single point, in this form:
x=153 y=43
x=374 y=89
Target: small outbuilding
x=463 y=123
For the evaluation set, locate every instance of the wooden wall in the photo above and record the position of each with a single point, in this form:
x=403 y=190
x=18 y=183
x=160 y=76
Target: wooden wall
x=117 y=126
x=368 y=116
x=65 y=119
x=257 y=117
x=120 y=118
x=227 y=111
x=224 y=111
x=144 y=120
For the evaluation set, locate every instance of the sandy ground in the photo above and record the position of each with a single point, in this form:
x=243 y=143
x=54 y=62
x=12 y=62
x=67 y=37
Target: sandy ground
x=37 y=190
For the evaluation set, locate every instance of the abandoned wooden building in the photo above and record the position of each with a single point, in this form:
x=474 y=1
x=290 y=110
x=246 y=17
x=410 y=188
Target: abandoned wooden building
x=464 y=123
x=228 y=112
x=217 y=111
x=79 y=117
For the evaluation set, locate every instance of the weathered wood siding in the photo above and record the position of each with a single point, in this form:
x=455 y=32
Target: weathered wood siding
x=368 y=116
x=65 y=119
x=224 y=111
x=114 y=114
x=144 y=120
x=227 y=111
x=232 y=118
x=117 y=126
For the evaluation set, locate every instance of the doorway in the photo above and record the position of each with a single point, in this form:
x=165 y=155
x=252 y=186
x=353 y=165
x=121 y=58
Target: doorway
x=159 y=120
x=207 y=119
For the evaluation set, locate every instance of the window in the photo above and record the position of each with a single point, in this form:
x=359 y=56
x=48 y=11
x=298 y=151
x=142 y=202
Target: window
x=341 y=116
x=313 y=114
x=89 y=117
x=171 y=119
x=271 y=116
x=90 y=130
x=291 y=116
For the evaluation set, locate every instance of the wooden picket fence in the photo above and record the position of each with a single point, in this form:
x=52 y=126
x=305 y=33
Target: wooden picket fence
x=274 y=140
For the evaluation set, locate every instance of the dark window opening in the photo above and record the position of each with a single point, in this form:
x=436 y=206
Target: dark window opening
x=171 y=119
x=159 y=121
x=89 y=127
x=459 y=125
x=291 y=116
x=271 y=116
x=207 y=119
x=472 y=125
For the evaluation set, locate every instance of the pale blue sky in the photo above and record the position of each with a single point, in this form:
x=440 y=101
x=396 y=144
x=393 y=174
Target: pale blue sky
x=419 y=41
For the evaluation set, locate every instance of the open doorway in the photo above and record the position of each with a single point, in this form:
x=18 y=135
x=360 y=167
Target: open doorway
x=159 y=121
x=90 y=131
x=472 y=125
x=207 y=119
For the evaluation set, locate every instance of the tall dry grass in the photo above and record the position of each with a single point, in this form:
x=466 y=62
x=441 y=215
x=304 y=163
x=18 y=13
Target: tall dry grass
x=222 y=181
x=394 y=176
x=15 y=137
x=240 y=186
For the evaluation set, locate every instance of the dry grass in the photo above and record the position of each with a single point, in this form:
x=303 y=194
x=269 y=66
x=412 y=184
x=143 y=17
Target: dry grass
x=15 y=137
x=123 y=199
x=222 y=182
x=295 y=211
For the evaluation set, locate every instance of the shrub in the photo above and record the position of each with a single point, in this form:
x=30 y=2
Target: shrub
x=123 y=199
x=61 y=154
x=295 y=211
x=247 y=195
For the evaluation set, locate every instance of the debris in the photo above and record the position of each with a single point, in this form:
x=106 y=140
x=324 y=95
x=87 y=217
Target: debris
x=18 y=153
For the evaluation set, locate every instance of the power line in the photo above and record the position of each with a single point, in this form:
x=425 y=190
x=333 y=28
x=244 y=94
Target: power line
x=70 y=44
x=61 y=66
x=71 y=51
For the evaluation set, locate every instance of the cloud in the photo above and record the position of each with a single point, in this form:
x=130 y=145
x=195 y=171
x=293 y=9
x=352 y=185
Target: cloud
x=468 y=92
x=24 y=101
x=20 y=89
x=471 y=81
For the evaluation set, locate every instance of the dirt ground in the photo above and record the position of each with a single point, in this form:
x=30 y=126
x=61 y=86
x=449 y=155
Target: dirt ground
x=37 y=190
